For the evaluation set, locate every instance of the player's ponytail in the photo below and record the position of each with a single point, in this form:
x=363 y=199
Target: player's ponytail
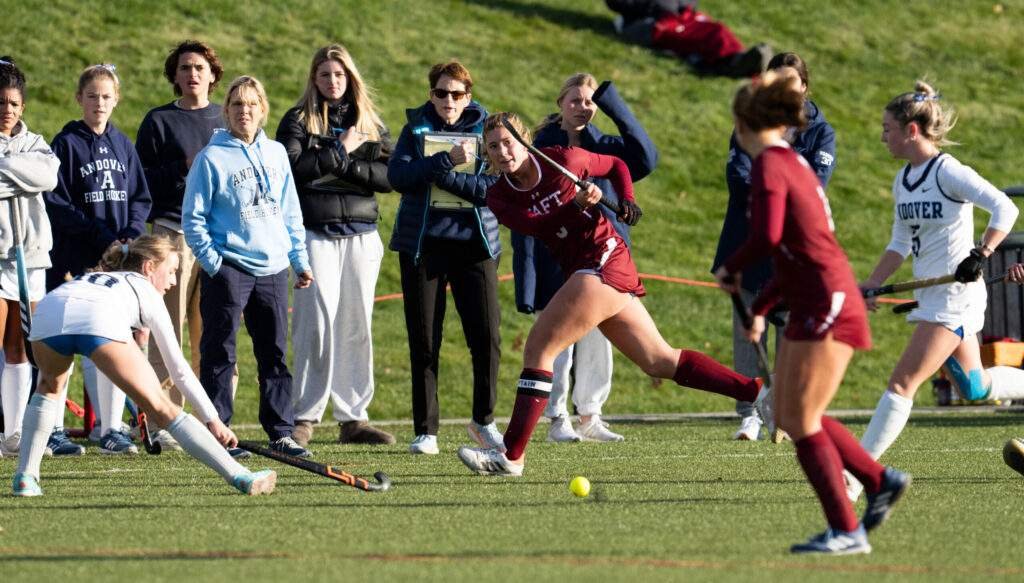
x=922 y=106
x=774 y=100
x=131 y=257
x=494 y=122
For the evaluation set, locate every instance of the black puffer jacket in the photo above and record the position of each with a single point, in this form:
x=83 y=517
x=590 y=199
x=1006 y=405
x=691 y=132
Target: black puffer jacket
x=335 y=186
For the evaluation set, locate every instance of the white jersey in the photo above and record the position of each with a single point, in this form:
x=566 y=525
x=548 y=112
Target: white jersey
x=111 y=305
x=934 y=222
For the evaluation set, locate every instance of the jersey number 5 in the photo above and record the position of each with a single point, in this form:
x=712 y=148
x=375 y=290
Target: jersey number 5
x=915 y=241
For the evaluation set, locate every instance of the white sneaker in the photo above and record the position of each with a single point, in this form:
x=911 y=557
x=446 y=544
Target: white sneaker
x=750 y=429
x=166 y=441
x=597 y=430
x=765 y=406
x=561 y=431
x=486 y=435
x=424 y=444
x=11 y=445
x=489 y=462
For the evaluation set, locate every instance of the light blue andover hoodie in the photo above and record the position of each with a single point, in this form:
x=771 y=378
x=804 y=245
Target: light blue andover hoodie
x=241 y=206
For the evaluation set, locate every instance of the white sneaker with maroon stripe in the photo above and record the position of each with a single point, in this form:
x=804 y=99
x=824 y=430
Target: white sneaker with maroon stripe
x=489 y=462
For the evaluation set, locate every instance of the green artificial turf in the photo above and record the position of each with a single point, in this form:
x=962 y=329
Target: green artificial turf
x=675 y=501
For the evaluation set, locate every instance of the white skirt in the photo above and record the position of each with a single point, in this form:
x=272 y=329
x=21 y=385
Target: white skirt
x=9 y=282
x=952 y=305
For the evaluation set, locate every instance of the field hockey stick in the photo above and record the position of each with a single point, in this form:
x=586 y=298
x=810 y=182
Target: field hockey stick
x=139 y=418
x=747 y=320
x=894 y=288
x=904 y=308
x=382 y=484
x=19 y=258
x=580 y=183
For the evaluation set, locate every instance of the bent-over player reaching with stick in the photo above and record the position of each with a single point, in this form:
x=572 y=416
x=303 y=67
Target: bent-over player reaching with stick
x=601 y=290
x=935 y=196
x=790 y=220
x=94 y=315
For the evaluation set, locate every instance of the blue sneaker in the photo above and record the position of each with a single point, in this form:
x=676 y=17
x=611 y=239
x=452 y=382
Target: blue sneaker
x=879 y=506
x=239 y=453
x=60 y=444
x=287 y=445
x=255 y=483
x=835 y=542
x=25 y=486
x=117 y=443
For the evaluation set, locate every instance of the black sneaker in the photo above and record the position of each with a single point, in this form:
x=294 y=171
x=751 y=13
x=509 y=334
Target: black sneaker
x=287 y=445
x=239 y=453
x=894 y=484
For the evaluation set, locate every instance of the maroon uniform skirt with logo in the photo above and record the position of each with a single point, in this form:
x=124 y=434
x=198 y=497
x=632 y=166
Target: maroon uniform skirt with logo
x=843 y=315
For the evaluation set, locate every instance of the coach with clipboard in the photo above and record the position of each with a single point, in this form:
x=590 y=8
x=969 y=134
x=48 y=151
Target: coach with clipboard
x=445 y=235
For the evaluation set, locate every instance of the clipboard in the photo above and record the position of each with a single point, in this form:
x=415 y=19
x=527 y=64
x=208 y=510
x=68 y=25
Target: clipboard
x=434 y=142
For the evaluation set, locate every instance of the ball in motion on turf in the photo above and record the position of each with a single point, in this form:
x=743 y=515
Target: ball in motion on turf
x=1013 y=454
x=580 y=486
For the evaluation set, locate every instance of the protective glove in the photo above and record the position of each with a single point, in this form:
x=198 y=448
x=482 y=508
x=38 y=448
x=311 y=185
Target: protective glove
x=630 y=213
x=970 y=268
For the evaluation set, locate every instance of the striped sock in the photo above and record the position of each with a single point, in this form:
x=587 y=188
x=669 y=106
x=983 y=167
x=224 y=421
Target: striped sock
x=700 y=371
x=531 y=397
x=820 y=460
x=855 y=459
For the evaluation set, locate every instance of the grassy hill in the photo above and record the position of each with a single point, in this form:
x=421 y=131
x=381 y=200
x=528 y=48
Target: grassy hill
x=860 y=55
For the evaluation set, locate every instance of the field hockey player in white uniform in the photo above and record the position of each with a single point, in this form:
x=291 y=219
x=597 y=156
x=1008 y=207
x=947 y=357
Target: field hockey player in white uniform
x=935 y=196
x=96 y=315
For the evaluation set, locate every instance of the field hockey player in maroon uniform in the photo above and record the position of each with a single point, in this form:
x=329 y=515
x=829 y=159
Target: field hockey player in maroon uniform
x=790 y=220
x=602 y=288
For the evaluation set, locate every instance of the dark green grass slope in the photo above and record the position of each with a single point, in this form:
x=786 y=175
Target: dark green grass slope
x=860 y=53
x=676 y=501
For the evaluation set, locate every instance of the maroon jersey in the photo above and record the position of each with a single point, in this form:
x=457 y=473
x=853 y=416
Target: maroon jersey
x=578 y=239
x=791 y=221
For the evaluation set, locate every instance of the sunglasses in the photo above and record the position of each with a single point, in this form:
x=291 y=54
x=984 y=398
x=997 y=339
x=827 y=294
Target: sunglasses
x=444 y=93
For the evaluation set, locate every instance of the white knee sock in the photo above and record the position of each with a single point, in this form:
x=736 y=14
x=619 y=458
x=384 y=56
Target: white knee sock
x=1007 y=383
x=110 y=403
x=15 y=386
x=200 y=444
x=891 y=416
x=39 y=419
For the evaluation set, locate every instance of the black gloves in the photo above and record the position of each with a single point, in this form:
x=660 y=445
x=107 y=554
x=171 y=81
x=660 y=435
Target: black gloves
x=630 y=213
x=970 y=268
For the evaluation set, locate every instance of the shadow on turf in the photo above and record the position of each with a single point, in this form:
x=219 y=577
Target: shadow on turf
x=560 y=16
x=995 y=420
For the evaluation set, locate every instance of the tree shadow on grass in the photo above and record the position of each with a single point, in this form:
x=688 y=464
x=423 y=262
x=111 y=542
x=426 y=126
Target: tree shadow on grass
x=560 y=16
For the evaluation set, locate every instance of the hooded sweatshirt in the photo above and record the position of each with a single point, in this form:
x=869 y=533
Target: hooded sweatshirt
x=27 y=168
x=101 y=196
x=241 y=206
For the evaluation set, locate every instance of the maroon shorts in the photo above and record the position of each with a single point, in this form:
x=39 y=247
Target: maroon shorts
x=617 y=270
x=845 y=318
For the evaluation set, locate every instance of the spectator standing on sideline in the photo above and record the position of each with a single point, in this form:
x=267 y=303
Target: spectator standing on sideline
x=27 y=168
x=816 y=142
x=101 y=198
x=242 y=221
x=537 y=274
x=338 y=148
x=445 y=235
x=169 y=138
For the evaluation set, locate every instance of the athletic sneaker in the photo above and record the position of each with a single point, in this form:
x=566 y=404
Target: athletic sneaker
x=287 y=445
x=835 y=542
x=11 y=445
x=255 y=483
x=60 y=444
x=597 y=430
x=239 y=453
x=489 y=462
x=166 y=441
x=24 y=485
x=1013 y=454
x=561 y=431
x=750 y=429
x=117 y=443
x=96 y=435
x=894 y=484
x=424 y=444
x=486 y=435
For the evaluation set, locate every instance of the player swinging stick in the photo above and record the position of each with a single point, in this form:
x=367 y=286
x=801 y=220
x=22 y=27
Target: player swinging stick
x=602 y=288
x=791 y=221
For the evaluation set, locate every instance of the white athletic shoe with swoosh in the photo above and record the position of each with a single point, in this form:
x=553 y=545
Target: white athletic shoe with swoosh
x=489 y=462
x=597 y=430
x=750 y=429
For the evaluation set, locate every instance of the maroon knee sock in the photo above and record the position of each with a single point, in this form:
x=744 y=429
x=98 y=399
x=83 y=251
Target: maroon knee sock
x=855 y=459
x=700 y=371
x=820 y=461
x=531 y=398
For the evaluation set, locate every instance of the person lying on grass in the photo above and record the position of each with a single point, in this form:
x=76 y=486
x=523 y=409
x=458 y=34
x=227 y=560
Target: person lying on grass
x=98 y=315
